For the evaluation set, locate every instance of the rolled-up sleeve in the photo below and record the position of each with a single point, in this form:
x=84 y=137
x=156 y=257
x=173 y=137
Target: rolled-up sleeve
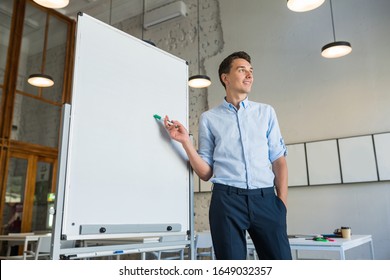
x=206 y=141
x=277 y=148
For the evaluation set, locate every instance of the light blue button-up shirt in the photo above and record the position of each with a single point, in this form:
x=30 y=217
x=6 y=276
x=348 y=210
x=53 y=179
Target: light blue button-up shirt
x=240 y=145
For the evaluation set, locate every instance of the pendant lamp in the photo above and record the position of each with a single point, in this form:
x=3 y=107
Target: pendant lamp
x=199 y=81
x=41 y=79
x=337 y=48
x=53 y=4
x=303 y=5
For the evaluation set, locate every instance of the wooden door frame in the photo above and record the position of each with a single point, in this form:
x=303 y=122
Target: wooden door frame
x=8 y=146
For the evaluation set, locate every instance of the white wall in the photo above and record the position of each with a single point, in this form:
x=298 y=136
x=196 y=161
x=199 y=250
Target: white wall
x=317 y=98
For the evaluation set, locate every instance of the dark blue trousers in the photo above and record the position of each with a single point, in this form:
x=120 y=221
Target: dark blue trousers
x=233 y=211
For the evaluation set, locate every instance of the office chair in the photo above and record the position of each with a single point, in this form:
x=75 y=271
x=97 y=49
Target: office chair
x=251 y=250
x=43 y=248
x=171 y=254
x=204 y=246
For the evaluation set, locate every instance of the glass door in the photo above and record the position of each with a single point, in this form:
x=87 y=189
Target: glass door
x=14 y=195
x=29 y=194
x=43 y=204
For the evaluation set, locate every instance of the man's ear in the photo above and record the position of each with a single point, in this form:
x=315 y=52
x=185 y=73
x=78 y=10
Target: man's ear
x=224 y=78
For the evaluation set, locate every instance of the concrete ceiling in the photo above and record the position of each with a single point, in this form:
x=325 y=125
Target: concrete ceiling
x=111 y=11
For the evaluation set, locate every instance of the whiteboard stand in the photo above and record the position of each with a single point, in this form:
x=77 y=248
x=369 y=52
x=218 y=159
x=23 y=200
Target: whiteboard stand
x=61 y=248
x=191 y=211
x=121 y=177
x=61 y=174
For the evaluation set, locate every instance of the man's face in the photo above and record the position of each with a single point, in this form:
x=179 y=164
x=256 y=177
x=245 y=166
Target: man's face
x=240 y=77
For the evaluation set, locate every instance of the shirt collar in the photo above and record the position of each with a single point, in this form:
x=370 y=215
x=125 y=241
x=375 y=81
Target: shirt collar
x=243 y=104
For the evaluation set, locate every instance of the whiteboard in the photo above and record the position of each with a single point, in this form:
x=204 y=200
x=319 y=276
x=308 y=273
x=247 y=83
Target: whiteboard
x=296 y=162
x=323 y=162
x=357 y=159
x=382 y=151
x=124 y=174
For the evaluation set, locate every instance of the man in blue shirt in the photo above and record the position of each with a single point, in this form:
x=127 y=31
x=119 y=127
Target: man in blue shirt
x=242 y=151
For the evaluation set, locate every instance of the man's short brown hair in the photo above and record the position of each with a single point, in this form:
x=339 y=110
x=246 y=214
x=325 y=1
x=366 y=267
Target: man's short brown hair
x=226 y=64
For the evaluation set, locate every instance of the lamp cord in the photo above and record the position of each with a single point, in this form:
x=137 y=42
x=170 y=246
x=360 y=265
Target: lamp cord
x=198 y=40
x=143 y=19
x=331 y=13
x=109 y=18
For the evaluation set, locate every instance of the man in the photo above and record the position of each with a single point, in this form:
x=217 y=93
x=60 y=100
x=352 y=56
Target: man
x=241 y=149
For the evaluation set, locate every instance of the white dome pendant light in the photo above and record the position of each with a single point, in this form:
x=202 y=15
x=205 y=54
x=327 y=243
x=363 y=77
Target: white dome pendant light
x=53 y=4
x=304 y=5
x=337 y=48
x=199 y=81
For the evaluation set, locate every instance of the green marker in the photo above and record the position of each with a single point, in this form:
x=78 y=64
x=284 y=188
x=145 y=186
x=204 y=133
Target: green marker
x=157 y=117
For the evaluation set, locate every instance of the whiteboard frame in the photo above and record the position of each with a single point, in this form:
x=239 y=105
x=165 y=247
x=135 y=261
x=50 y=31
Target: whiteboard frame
x=63 y=225
x=323 y=163
x=357 y=159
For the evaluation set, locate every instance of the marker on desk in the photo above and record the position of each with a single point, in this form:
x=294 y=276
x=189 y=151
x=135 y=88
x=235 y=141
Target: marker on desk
x=157 y=117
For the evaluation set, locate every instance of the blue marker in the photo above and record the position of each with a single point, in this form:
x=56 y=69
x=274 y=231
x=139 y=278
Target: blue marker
x=118 y=252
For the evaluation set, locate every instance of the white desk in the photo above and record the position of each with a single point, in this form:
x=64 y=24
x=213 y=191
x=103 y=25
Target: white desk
x=20 y=239
x=339 y=244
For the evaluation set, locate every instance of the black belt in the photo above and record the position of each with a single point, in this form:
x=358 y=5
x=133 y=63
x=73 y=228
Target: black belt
x=230 y=189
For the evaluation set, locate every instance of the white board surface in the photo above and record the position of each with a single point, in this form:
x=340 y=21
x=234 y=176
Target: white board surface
x=296 y=162
x=382 y=151
x=123 y=169
x=357 y=159
x=323 y=162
